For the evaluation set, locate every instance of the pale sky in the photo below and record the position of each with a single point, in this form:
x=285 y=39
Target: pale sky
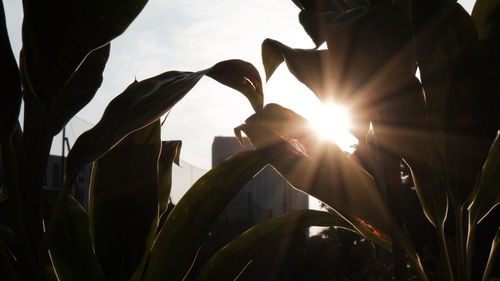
x=191 y=35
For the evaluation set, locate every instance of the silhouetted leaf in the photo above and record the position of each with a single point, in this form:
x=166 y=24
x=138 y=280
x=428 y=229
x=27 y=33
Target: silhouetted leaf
x=311 y=67
x=80 y=89
x=123 y=202
x=488 y=192
x=430 y=185
x=170 y=153
x=483 y=16
x=319 y=168
x=58 y=35
x=370 y=52
x=229 y=261
x=318 y=24
x=189 y=222
x=70 y=245
x=146 y=101
x=10 y=97
x=495 y=248
x=486 y=17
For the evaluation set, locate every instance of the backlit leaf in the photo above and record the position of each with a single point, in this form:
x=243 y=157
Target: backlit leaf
x=145 y=102
x=319 y=168
x=488 y=192
x=229 y=261
x=170 y=153
x=58 y=35
x=123 y=202
x=80 y=89
x=189 y=222
x=70 y=245
x=311 y=67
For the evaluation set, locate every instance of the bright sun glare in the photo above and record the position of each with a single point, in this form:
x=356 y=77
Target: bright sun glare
x=332 y=122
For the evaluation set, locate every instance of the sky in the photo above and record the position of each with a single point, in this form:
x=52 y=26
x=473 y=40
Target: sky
x=191 y=35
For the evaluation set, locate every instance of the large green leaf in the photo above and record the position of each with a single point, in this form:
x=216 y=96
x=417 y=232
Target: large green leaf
x=123 y=202
x=146 y=101
x=170 y=153
x=80 y=89
x=10 y=97
x=229 y=261
x=311 y=67
x=487 y=195
x=319 y=168
x=70 y=245
x=189 y=222
x=58 y=35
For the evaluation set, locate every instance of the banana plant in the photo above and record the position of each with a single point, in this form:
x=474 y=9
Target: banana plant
x=442 y=126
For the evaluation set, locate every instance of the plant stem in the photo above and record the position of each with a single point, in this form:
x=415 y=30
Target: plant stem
x=491 y=259
x=448 y=272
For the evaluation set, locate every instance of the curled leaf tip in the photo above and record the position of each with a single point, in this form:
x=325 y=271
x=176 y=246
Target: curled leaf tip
x=237 y=133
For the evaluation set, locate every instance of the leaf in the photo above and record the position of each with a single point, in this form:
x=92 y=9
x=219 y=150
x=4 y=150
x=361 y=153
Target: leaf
x=229 y=261
x=70 y=246
x=311 y=67
x=320 y=169
x=485 y=17
x=318 y=24
x=10 y=97
x=316 y=15
x=123 y=202
x=189 y=222
x=145 y=102
x=369 y=49
x=58 y=35
x=170 y=153
x=488 y=192
x=495 y=246
x=80 y=89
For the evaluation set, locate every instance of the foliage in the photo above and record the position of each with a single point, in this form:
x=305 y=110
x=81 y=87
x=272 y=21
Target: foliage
x=441 y=127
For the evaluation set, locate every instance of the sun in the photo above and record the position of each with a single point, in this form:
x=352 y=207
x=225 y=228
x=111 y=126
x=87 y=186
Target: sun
x=332 y=122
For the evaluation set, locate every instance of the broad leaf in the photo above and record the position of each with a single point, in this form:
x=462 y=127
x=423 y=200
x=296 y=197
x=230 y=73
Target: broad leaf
x=229 y=261
x=189 y=222
x=145 y=102
x=70 y=245
x=488 y=193
x=370 y=51
x=485 y=17
x=58 y=35
x=460 y=88
x=316 y=15
x=10 y=97
x=80 y=89
x=123 y=202
x=170 y=153
x=319 y=168
x=311 y=67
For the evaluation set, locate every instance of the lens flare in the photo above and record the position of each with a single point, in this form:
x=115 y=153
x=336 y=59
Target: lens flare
x=332 y=122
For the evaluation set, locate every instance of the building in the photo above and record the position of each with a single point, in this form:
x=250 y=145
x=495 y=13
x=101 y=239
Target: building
x=53 y=179
x=265 y=196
